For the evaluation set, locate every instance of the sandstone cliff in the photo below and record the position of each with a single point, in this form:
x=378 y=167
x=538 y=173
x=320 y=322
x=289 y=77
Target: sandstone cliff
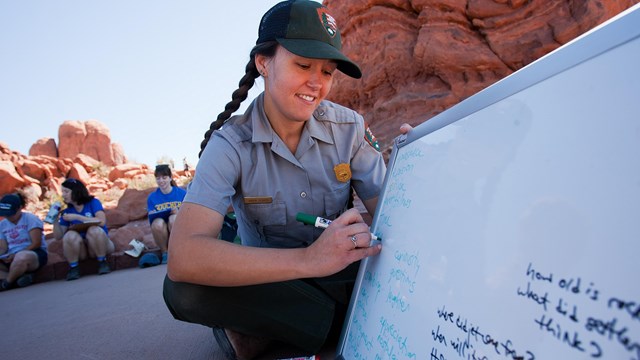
x=420 y=57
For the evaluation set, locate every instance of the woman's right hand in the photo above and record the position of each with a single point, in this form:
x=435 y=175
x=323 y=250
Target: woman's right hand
x=198 y=257
x=334 y=250
x=70 y=217
x=8 y=259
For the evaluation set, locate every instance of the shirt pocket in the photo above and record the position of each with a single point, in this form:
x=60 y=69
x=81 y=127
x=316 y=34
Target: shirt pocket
x=268 y=219
x=335 y=202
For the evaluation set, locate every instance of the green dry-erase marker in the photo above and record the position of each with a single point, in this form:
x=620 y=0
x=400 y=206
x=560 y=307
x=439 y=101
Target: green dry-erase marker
x=321 y=222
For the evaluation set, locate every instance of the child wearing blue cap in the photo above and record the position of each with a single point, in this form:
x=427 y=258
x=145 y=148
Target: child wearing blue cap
x=23 y=249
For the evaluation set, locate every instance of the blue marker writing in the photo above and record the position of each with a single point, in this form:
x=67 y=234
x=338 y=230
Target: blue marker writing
x=320 y=222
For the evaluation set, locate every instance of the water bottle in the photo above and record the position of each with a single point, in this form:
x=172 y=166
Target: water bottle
x=53 y=212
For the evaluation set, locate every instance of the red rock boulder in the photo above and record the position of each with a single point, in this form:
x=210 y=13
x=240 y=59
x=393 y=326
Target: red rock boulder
x=71 y=136
x=10 y=179
x=127 y=171
x=91 y=138
x=134 y=203
x=44 y=146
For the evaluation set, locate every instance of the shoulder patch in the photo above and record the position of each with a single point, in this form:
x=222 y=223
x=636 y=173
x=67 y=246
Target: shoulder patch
x=370 y=138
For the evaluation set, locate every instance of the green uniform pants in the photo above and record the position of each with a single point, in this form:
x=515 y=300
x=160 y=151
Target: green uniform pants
x=300 y=313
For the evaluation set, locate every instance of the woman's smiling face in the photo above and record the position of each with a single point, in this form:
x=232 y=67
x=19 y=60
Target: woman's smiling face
x=294 y=85
x=164 y=183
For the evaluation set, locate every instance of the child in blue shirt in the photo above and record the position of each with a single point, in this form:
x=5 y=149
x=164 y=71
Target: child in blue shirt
x=162 y=207
x=82 y=228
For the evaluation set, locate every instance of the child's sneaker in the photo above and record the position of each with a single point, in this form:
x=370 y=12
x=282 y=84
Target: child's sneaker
x=165 y=258
x=73 y=274
x=5 y=285
x=24 y=280
x=103 y=268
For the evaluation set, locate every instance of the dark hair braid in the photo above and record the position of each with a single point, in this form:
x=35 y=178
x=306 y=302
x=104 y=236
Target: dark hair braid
x=240 y=94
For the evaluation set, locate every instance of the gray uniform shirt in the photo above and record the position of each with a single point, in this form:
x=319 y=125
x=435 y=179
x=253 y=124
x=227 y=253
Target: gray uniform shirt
x=246 y=163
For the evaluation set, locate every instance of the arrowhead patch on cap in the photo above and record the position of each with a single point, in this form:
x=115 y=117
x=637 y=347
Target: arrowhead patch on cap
x=328 y=22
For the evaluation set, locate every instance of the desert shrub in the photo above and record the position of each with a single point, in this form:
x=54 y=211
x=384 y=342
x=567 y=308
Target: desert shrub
x=111 y=194
x=142 y=182
x=101 y=169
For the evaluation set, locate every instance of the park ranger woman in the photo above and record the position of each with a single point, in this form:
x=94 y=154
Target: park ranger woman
x=291 y=151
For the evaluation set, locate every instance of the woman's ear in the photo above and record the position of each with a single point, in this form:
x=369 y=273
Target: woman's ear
x=261 y=62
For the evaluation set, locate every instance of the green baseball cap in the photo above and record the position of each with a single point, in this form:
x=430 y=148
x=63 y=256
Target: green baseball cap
x=306 y=29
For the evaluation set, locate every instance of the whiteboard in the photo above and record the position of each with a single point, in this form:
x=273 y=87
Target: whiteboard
x=511 y=222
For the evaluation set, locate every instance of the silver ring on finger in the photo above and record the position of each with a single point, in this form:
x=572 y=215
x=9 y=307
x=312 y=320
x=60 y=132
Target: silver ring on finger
x=354 y=241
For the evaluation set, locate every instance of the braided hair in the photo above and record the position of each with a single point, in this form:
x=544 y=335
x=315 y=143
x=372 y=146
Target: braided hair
x=268 y=49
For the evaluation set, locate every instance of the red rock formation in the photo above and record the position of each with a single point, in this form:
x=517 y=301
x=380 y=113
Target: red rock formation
x=134 y=203
x=97 y=144
x=34 y=170
x=44 y=146
x=71 y=135
x=91 y=138
x=7 y=154
x=420 y=57
x=117 y=153
x=86 y=161
x=9 y=177
x=127 y=171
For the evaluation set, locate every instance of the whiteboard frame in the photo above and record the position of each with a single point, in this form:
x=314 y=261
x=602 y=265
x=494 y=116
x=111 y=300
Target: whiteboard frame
x=609 y=35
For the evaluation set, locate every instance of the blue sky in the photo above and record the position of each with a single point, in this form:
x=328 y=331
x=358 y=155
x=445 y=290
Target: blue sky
x=156 y=73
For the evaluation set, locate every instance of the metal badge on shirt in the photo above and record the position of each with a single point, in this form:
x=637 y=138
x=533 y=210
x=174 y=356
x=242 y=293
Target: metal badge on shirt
x=343 y=172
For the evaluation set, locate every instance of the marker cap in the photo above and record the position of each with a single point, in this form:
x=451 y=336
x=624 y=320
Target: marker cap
x=306 y=218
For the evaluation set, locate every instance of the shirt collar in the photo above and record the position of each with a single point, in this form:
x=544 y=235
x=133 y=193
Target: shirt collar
x=262 y=131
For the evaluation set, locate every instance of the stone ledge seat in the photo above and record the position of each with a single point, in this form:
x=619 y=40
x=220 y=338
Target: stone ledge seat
x=117 y=260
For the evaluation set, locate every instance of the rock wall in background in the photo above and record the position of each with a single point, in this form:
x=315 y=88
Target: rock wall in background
x=420 y=57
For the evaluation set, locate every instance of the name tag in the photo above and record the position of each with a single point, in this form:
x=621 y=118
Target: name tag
x=258 y=199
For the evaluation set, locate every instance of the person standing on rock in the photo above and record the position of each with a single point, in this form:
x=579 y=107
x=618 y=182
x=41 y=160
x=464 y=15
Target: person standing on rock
x=23 y=249
x=82 y=228
x=291 y=151
x=162 y=207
